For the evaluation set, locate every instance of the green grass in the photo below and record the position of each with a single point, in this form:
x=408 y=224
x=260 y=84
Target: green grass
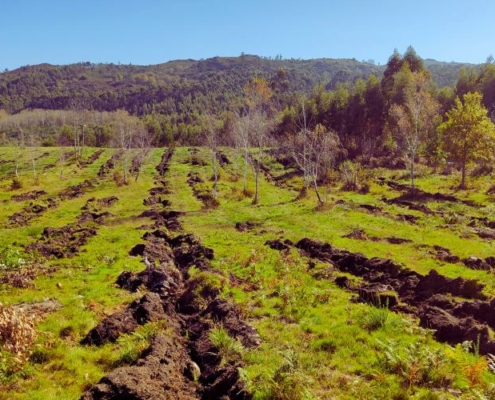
x=316 y=343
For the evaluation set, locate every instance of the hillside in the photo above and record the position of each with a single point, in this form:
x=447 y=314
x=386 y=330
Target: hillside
x=181 y=86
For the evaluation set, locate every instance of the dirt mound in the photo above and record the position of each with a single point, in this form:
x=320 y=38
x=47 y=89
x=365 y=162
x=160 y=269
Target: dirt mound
x=159 y=374
x=409 y=204
x=386 y=282
x=168 y=219
x=110 y=164
x=477 y=263
x=91 y=159
x=105 y=202
x=245 y=226
x=223 y=160
x=191 y=310
x=444 y=254
x=62 y=242
x=408 y=218
x=75 y=191
x=280 y=245
x=32 y=195
x=147 y=309
x=163 y=166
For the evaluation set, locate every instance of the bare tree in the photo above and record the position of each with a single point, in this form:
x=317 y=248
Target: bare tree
x=211 y=139
x=241 y=132
x=314 y=151
x=414 y=118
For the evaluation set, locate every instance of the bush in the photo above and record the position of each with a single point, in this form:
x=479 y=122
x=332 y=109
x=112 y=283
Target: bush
x=354 y=177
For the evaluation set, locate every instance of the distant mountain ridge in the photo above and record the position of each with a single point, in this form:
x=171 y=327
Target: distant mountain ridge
x=181 y=86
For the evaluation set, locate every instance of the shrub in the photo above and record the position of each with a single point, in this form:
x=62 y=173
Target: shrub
x=415 y=363
x=354 y=177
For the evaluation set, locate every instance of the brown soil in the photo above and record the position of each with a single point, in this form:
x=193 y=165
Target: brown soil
x=110 y=164
x=91 y=159
x=443 y=304
x=75 y=191
x=32 y=195
x=183 y=363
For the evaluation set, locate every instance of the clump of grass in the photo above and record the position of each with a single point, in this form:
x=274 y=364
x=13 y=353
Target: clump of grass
x=229 y=348
x=376 y=318
x=132 y=345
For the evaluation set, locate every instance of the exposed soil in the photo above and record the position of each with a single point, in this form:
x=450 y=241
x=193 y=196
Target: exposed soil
x=31 y=211
x=421 y=195
x=191 y=308
x=91 y=159
x=65 y=242
x=75 y=191
x=443 y=304
x=110 y=164
x=444 y=254
x=205 y=196
x=32 y=195
x=360 y=234
x=182 y=363
x=245 y=226
x=163 y=166
x=95 y=204
x=223 y=160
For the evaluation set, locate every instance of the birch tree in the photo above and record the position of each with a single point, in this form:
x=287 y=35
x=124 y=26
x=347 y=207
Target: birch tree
x=414 y=117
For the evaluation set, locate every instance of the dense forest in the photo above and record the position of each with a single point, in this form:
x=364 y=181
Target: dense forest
x=364 y=104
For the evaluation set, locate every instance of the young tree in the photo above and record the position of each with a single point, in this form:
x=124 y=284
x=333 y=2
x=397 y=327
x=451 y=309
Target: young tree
x=414 y=117
x=468 y=133
x=211 y=138
x=258 y=94
x=315 y=151
x=241 y=138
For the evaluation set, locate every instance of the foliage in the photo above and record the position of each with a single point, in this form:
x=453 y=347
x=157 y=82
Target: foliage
x=11 y=259
x=469 y=135
x=415 y=363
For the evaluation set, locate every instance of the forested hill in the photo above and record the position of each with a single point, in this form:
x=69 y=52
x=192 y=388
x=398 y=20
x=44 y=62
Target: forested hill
x=179 y=87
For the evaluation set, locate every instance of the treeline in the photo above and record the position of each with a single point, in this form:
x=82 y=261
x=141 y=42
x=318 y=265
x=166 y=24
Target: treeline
x=360 y=102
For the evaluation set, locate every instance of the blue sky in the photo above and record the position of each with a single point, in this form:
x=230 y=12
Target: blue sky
x=155 y=31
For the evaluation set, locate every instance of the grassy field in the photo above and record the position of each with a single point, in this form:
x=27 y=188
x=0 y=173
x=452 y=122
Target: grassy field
x=317 y=341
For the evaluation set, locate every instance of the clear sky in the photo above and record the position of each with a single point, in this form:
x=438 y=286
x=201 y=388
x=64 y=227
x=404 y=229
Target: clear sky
x=155 y=31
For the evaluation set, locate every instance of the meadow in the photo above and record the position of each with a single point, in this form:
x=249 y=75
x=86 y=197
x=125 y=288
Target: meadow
x=330 y=301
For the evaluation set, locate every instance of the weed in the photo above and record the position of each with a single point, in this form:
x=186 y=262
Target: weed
x=229 y=348
x=415 y=363
x=17 y=336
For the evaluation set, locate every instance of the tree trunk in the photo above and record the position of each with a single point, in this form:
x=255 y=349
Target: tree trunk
x=463 y=179
x=256 y=199
x=215 y=173
x=315 y=185
x=245 y=171
x=412 y=174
